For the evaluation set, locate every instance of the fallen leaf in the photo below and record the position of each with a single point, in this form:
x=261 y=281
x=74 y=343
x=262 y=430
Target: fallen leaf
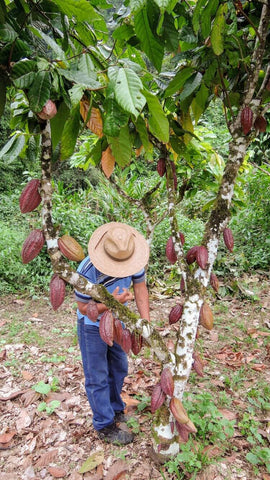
x=57 y=472
x=27 y=375
x=6 y=437
x=13 y=395
x=46 y=458
x=92 y=462
x=117 y=471
x=228 y=414
x=3 y=353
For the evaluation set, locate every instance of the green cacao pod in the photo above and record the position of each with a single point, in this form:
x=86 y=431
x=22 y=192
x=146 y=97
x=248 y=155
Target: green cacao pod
x=70 y=248
x=30 y=197
x=32 y=245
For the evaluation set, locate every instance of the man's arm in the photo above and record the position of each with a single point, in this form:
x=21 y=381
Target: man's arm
x=142 y=299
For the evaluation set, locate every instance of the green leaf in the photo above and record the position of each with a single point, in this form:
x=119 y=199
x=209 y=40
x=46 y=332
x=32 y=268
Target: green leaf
x=136 y=5
x=206 y=15
x=81 y=9
x=162 y=4
x=86 y=65
x=39 y=91
x=92 y=462
x=121 y=147
x=57 y=50
x=70 y=133
x=158 y=122
x=142 y=131
x=127 y=89
x=3 y=11
x=7 y=33
x=115 y=118
x=58 y=122
x=218 y=30
x=12 y=149
x=199 y=103
x=196 y=16
x=170 y=33
x=178 y=81
x=42 y=387
x=88 y=80
x=191 y=84
x=3 y=91
x=151 y=45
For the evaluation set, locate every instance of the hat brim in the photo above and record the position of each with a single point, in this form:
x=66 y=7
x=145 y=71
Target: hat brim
x=117 y=268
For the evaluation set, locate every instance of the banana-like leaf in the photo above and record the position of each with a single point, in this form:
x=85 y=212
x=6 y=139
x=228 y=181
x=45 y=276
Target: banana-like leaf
x=121 y=147
x=218 y=30
x=39 y=91
x=158 y=122
x=70 y=133
x=151 y=45
x=127 y=89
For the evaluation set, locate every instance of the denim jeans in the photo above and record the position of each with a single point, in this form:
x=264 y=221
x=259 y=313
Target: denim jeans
x=104 y=368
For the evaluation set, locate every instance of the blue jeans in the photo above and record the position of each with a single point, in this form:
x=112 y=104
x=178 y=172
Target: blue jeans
x=105 y=369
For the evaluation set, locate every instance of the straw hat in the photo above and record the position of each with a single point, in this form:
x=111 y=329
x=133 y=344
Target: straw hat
x=118 y=250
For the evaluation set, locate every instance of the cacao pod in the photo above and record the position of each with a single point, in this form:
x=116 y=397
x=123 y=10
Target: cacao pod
x=92 y=310
x=182 y=238
x=57 y=291
x=246 y=120
x=70 y=248
x=32 y=245
x=198 y=364
x=161 y=167
x=191 y=254
x=167 y=382
x=214 y=281
x=190 y=426
x=182 y=285
x=157 y=398
x=202 y=257
x=126 y=340
x=175 y=313
x=183 y=431
x=106 y=327
x=117 y=331
x=178 y=410
x=136 y=343
x=260 y=123
x=206 y=316
x=48 y=111
x=175 y=182
x=170 y=251
x=30 y=197
x=228 y=239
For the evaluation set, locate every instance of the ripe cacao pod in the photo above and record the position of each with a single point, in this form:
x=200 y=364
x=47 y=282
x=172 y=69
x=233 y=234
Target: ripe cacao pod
x=30 y=197
x=206 y=318
x=170 y=251
x=157 y=398
x=202 y=256
x=136 y=343
x=182 y=285
x=106 y=327
x=92 y=310
x=32 y=245
x=175 y=313
x=246 y=120
x=228 y=239
x=182 y=238
x=48 y=111
x=167 y=382
x=70 y=248
x=117 y=331
x=260 y=123
x=57 y=291
x=161 y=167
x=126 y=340
x=191 y=254
x=198 y=364
x=183 y=431
x=214 y=282
x=178 y=410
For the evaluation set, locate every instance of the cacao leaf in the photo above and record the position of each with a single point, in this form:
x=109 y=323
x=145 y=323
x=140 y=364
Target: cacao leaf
x=218 y=29
x=152 y=46
x=39 y=91
x=127 y=89
x=158 y=122
x=70 y=133
x=107 y=162
x=121 y=147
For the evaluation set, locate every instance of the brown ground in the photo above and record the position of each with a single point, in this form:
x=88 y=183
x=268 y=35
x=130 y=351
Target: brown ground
x=38 y=344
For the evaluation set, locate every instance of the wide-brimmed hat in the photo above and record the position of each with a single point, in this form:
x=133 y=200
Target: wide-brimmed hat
x=118 y=250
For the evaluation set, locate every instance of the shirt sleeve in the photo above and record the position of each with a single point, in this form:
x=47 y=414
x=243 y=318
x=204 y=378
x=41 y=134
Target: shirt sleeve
x=139 y=277
x=88 y=271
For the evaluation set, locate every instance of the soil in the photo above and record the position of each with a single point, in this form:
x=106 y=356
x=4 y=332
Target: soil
x=44 y=440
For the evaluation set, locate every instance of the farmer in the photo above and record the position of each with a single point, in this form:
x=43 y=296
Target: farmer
x=117 y=256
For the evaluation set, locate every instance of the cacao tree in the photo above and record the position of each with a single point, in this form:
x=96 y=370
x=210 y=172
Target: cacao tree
x=139 y=82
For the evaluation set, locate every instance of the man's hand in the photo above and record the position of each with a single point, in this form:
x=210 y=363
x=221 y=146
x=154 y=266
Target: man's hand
x=123 y=297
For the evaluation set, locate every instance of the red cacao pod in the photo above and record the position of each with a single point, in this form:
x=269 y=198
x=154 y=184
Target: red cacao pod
x=170 y=251
x=30 y=197
x=70 y=248
x=202 y=256
x=117 y=331
x=228 y=239
x=214 y=282
x=175 y=313
x=191 y=254
x=48 y=111
x=182 y=285
x=57 y=291
x=260 y=123
x=136 y=343
x=32 y=245
x=126 y=340
x=157 y=398
x=182 y=238
x=206 y=318
x=178 y=410
x=106 y=327
x=161 y=167
x=167 y=382
x=197 y=364
x=92 y=310
x=246 y=120
x=183 y=431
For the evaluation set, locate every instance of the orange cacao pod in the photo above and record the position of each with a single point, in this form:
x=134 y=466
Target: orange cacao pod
x=136 y=343
x=228 y=239
x=167 y=382
x=117 y=331
x=32 y=245
x=57 y=291
x=30 y=197
x=246 y=120
x=161 y=167
x=191 y=254
x=157 y=398
x=106 y=327
x=175 y=313
x=70 y=248
x=126 y=340
x=92 y=310
x=260 y=123
x=178 y=410
x=170 y=251
x=214 y=282
x=202 y=256
x=206 y=316
x=48 y=111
